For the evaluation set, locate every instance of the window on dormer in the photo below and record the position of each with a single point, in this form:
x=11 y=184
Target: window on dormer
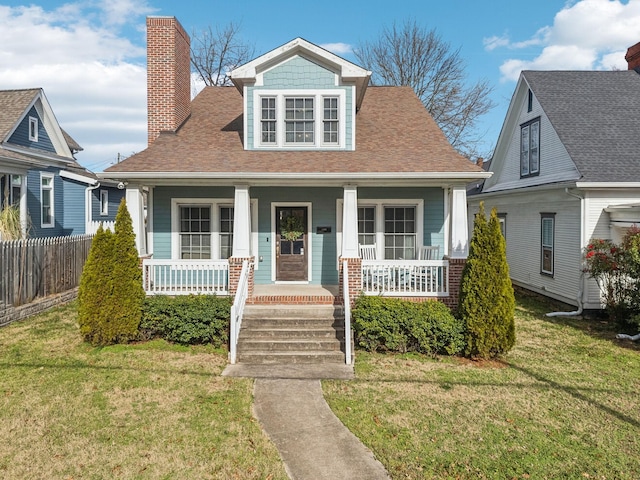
x=33 y=129
x=299 y=120
x=530 y=148
x=268 y=120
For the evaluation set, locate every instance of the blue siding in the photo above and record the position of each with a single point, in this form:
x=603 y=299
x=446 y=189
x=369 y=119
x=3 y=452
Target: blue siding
x=73 y=199
x=34 y=207
x=162 y=212
x=21 y=134
x=115 y=197
x=299 y=73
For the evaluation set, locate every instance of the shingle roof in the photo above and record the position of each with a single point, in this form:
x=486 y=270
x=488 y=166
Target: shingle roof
x=394 y=133
x=597 y=117
x=13 y=103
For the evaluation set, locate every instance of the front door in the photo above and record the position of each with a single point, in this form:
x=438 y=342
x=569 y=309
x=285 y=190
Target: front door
x=291 y=244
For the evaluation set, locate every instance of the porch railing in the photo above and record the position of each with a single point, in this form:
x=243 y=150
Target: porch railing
x=184 y=277
x=237 y=311
x=415 y=278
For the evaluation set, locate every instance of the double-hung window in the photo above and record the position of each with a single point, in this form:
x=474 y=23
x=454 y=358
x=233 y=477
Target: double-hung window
x=530 y=148
x=226 y=231
x=299 y=120
x=367 y=225
x=548 y=221
x=104 y=202
x=399 y=232
x=302 y=119
x=195 y=232
x=46 y=200
x=33 y=129
x=16 y=189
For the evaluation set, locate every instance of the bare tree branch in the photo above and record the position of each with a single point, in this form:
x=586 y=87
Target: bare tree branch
x=215 y=52
x=410 y=55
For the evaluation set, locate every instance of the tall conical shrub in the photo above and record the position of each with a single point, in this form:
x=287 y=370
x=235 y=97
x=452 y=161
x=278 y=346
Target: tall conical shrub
x=96 y=286
x=128 y=293
x=487 y=303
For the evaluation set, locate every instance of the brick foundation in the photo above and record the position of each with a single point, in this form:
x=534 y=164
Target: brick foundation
x=456 y=266
x=235 y=269
x=355 y=278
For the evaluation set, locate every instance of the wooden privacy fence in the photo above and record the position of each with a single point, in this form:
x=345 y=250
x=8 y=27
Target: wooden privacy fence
x=37 y=267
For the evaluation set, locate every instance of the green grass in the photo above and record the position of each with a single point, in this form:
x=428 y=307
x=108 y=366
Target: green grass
x=153 y=410
x=564 y=403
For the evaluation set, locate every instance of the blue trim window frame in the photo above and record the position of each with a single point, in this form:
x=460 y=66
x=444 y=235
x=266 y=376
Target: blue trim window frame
x=104 y=202
x=530 y=148
x=33 y=129
x=547 y=243
x=47 y=218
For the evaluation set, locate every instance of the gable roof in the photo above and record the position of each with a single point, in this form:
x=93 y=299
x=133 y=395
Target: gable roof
x=14 y=106
x=395 y=135
x=597 y=117
x=348 y=72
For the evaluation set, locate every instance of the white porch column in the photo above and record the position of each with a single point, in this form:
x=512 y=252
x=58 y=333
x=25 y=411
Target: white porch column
x=24 y=219
x=350 y=222
x=135 y=205
x=459 y=223
x=241 y=222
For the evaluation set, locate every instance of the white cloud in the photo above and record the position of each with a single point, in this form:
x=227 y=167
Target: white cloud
x=93 y=76
x=585 y=35
x=338 y=48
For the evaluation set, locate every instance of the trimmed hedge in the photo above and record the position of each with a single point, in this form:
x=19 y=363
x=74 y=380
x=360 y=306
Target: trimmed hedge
x=187 y=320
x=396 y=325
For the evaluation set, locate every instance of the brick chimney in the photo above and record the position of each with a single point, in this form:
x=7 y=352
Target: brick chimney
x=633 y=57
x=168 y=76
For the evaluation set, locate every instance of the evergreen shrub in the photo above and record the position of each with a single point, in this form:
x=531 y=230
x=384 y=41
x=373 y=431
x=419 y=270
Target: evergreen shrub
x=396 y=325
x=187 y=320
x=487 y=302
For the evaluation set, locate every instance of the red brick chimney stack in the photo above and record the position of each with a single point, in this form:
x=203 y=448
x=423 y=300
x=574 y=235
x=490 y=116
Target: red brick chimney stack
x=168 y=76
x=633 y=57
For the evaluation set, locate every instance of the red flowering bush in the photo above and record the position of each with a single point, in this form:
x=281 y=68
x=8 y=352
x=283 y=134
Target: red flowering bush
x=616 y=269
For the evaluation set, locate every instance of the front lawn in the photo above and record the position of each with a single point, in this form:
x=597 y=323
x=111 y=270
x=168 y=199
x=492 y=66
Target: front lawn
x=72 y=411
x=564 y=403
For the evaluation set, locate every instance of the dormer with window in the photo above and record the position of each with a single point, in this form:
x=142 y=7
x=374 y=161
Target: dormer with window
x=300 y=97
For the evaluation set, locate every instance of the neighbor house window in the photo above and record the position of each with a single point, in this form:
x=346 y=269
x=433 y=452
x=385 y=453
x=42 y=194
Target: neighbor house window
x=33 y=129
x=502 y=218
x=547 y=243
x=530 y=148
x=46 y=200
x=104 y=202
x=268 y=119
x=226 y=232
x=16 y=189
x=367 y=225
x=195 y=232
x=299 y=120
x=399 y=232
x=530 y=101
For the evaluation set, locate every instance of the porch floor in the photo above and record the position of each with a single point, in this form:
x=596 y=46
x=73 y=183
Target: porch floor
x=295 y=294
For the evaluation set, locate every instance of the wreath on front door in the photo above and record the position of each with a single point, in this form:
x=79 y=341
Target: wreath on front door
x=292 y=227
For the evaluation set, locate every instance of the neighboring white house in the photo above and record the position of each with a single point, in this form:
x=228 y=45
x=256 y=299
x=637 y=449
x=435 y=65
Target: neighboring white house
x=566 y=170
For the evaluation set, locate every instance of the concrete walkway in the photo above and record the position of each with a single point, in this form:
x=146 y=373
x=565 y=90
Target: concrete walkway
x=313 y=443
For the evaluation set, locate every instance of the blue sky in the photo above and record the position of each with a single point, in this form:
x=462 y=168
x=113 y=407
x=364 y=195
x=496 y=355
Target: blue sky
x=89 y=55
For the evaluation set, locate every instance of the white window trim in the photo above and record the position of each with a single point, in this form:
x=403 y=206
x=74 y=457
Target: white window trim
x=52 y=199
x=214 y=204
x=318 y=96
x=379 y=225
x=104 y=202
x=551 y=217
x=33 y=127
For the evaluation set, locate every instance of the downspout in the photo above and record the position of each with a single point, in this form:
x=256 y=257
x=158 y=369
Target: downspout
x=87 y=206
x=581 y=288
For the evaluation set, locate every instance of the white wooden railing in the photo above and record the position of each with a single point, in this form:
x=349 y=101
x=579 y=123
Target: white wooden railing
x=347 y=312
x=92 y=227
x=416 y=278
x=237 y=311
x=184 y=277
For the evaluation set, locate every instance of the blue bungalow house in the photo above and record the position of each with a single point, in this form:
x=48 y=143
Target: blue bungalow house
x=298 y=170
x=39 y=173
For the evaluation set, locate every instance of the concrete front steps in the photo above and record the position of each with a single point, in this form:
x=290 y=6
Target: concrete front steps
x=291 y=334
